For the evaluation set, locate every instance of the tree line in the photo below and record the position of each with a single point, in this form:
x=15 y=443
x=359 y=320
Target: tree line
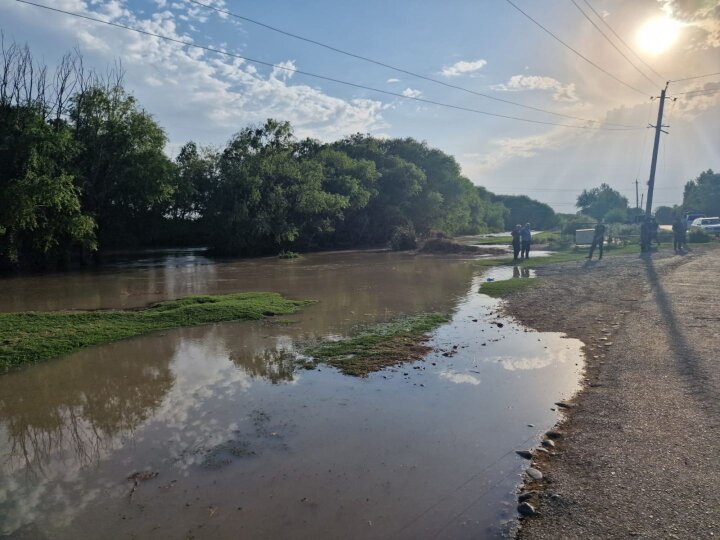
x=83 y=166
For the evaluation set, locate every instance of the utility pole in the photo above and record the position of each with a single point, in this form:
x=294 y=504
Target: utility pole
x=645 y=234
x=637 y=196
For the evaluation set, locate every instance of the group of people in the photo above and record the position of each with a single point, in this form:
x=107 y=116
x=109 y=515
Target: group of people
x=521 y=240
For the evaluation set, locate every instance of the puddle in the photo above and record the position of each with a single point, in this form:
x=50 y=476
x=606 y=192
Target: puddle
x=246 y=446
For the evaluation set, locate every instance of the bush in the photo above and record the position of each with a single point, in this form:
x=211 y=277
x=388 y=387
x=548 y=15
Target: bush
x=698 y=236
x=288 y=255
x=403 y=238
x=616 y=215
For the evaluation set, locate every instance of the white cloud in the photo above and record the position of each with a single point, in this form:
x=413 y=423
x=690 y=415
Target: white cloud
x=411 y=92
x=701 y=14
x=200 y=94
x=391 y=81
x=509 y=148
x=463 y=67
x=284 y=70
x=519 y=83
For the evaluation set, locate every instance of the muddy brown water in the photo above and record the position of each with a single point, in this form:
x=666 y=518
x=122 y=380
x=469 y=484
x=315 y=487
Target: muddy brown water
x=246 y=446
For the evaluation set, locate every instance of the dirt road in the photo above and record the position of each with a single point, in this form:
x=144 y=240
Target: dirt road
x=639 y=455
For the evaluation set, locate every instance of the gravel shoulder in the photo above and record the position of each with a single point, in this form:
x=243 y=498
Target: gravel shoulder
x=638 y=456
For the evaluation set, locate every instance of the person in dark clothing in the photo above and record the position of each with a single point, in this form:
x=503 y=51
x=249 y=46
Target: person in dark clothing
x=526 y=238
x=515 y=233
x=598 y=239
x=679 y=231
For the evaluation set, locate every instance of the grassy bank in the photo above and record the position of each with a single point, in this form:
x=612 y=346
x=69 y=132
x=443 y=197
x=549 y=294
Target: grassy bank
x=380 y=346
x=35 y=336
x=498 y=289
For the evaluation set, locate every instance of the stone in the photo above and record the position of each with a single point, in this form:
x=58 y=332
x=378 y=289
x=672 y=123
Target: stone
x=534 y=473
x=526 y=509
x=526 y=495
x=564 y=405
x=547 y=443
x=552 y=434
x=524 y=454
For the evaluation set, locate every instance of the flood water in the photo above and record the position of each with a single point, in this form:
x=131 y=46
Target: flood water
x=244 y=445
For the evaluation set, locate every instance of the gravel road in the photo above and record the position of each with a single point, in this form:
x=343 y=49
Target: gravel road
x=640 y=452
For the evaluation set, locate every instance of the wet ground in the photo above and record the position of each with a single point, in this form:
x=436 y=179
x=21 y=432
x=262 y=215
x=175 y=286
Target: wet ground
x=246 y=446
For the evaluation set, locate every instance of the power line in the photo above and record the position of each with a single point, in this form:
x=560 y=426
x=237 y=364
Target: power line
x=695 y=77
x=556 y=38
x=603 y=34
x=322 y=77
x=697 y=92
x=390 y=66
x=623 y=41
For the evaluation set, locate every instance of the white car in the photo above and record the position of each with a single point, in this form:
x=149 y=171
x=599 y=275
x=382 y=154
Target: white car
x=707 y=224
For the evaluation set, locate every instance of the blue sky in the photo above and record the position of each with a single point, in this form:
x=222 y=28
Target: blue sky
x=486 y=46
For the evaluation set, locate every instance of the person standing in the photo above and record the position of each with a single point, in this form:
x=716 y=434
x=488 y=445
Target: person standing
x=515 y=233
x=679 y=231
x=598 y=239
x=526 y=238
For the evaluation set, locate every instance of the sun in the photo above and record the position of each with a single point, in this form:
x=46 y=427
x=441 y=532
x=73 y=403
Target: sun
x=657 y=35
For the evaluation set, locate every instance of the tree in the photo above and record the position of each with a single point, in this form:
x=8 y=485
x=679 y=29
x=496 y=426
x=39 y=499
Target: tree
x=522 y=209
x=126 y=176
x=665 y=215
x=42 y=224
x=598 y=201
x=703 y=194
x=268 y=198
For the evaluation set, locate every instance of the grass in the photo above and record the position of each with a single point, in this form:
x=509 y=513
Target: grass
x=379 y=346
x=36 y=336
x=498 y=289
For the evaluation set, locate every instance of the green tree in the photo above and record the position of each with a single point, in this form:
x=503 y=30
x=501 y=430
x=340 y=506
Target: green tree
x=665 y=215
x=41 y=221
x=522 y=209
x=268 y=198
x=703 y=193
x=598 y=201
x=126 y=176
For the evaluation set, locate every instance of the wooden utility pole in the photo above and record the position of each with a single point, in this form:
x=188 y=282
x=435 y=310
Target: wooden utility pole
x=645 y=235
x=637 y=195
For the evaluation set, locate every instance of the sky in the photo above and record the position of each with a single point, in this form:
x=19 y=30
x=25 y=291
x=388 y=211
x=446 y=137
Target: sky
x=485 y=46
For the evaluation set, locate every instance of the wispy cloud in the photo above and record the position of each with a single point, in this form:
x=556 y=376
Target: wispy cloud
x=411 y=92
x=463 y=67
x=391 y=81
x=518 y=83
x=701 y=14
x=204 y=94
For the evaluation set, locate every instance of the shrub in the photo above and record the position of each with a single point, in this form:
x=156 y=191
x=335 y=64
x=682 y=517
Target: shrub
x=403 y=238
x=288 y=255
x=698 y=236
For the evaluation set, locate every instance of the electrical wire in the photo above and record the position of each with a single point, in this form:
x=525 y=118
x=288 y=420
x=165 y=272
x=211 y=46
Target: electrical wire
x=389 y=66
x=603 y=34
x=322 y=77
x=556 y=38
x=697 y=93
x=623 y=41
x=696 y=77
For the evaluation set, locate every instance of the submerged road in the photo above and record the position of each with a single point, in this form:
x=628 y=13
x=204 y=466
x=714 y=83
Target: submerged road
x=639 y=456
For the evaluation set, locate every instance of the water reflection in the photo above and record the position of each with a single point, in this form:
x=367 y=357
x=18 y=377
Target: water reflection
x=222 y=416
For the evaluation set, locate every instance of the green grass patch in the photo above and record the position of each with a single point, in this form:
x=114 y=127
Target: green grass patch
x=380 y=346
x=498 y=289
x=35 y=336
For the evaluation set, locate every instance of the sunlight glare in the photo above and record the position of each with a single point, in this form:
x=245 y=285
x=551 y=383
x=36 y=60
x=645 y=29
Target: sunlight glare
x=657 y=35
